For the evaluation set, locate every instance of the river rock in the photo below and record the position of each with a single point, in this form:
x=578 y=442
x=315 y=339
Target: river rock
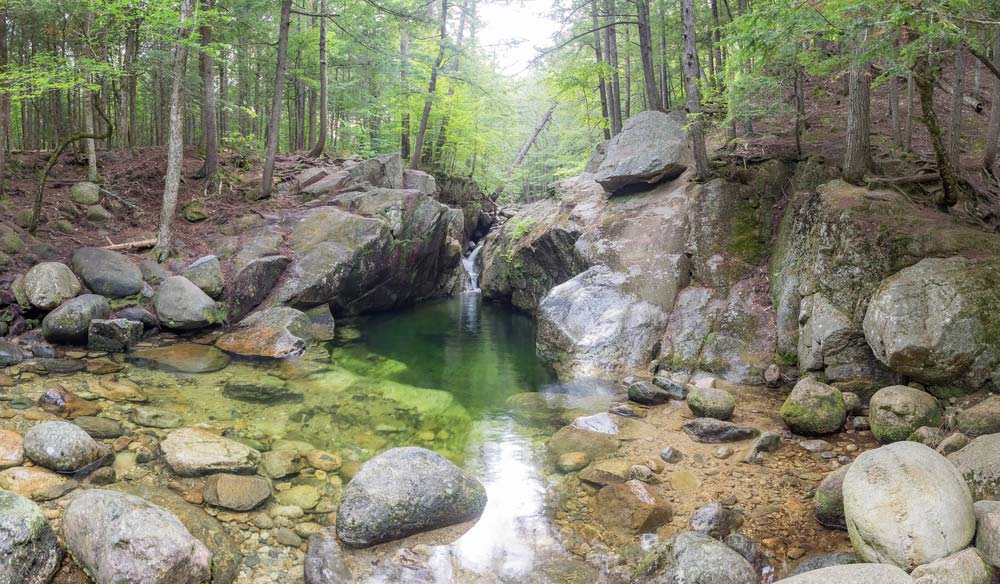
x=236 y=492
x=897 y=411
x=573 y=439
x=675 y=389
x=828 y=502
x=814 y=408
x=694 y=557
x=49 y=284
x=70 y=322
x=982 y=418
x=184 y=306
x=116 y=335
x=183 y=358
x=140 y=315
x=404 y=491
x=631 y=508
x=766 y=442
x=280 y=462
x=930 y=322
x=155 y=417
x=58 y=400
x=590 y=325
x=646 y=393
x=979 y=463
x=106 y=272
x=259 y=389
x=709 y=402
x=953 y=443
x=715 y=520
x=35 y=482
x=712 y=431
x=988 y=531
x=85 y=193
x=607 y=471
x=906 y=505
x=11 y=449
x=254 y=282
x=324 y=562
x=206 y=273
x=651 y=147
x=99 y=428
x=852 y=574
x=826 y=560
x=121 y=538
x=11 y=354
x=301 y=496
x=61 y=446
x=964 y=567
x=29 y=551
x=193 y=452
x=277 y=332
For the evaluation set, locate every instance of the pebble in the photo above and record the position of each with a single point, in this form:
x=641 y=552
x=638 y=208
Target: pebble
x=723 y=452
x=671 y=455
x=287 y=537
x=815 y=445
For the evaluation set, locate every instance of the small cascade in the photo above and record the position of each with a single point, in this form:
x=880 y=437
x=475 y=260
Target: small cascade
x=472 y=267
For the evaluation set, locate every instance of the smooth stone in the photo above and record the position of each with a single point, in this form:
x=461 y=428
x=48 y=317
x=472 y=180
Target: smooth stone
x=183 y=358
x=277 y=464
x=193 y=452
x=572 y=439
x=106 y=272
x=631 y=508
x=29 y=550
x=982 y=418
x=403 y=491
x=35 y=482
x=953 y=443
x=815 y=446
x=607 y=471
x=979 y=463
x=897 y=411
x=676 y=390
x=236 y=492
x=766 y=442
x=906 y=505
x=671 y=455
x=964 y=567
x=572 y=462
x=155 y=418
x=57 y=400
x=852 y=574
x=276 y=332
x=206 y=273
x=11 y=449
x=287 y=537
x=715 y=520
x=121 y=538
x=694 y=557
x=826 y=560
x=61 y=446
x=182 y=305
x=828 y=501
x=644 y=392
x=70 y=322
x=322 y=460
x=258 y=389
x=49 y=284
x=712 y=431
x=140 y=315
x=814 y=408
x=304 y=496
x=324 y=562
x=988 y=531
x=709 y=402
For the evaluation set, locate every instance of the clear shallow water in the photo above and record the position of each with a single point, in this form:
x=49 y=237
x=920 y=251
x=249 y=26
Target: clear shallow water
x=438 y=376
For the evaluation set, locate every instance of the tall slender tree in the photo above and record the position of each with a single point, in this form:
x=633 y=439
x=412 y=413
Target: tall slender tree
x=646 y=55
x=993 y=134
x=324 y=82
x=691 y=68
x=418 y=148
x=857 y=156
x=274 y=123
x=209 y=128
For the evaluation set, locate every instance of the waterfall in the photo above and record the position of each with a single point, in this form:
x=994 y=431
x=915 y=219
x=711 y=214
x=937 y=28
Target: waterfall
x=470 y=264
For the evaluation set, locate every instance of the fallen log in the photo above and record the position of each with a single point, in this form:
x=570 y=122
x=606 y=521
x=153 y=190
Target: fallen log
x=886 y=181
x=141 y=244
x=968 y=100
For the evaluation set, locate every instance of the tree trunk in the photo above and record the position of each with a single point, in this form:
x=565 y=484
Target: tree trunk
x=4 y=102
x=715 y=43
x=993 y=136
x=611 y=48
x=324 y=96
x=908 y=131
x=628 y=76
x=442 y=136
x=923 y=76
x=800 y=111
x=175 y=148
x=209 y=130
x=697 y=130
x=127 y=89
x=274 y=124
x=88 y=128
x=534 y=136
x=897 y=128
x=431 y=88
x=664 y=66
x=646 y=53
x=857 y=157
x=602 y=84
x=404 y=59
x=955 y=131
x=223 y=93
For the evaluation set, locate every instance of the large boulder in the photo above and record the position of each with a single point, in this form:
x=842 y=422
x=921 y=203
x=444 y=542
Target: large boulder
x=373 y=251
x=61 y=446
x=711 y=402
x=115 y=335
x=29 y=551
x=651 y=147
x=106 y=272
x=70 y=322
x=49 y=284
x=206 y=273
x=979 y=463
x=273 y=332
x=906 y=505
x=695 y=558
x=405 y=491
x=897 y=411
x=828 y=502
x=182 y=305
x=85 y=193
x=121 y=538
x=982 y=418
x=852 y=574
x=254 y=282
x=933 y=322
x=814 y=408
x=964 y=567
x=193 y=452
x=590 y=325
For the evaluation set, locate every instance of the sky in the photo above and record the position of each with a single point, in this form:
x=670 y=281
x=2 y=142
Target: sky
x=520 y=21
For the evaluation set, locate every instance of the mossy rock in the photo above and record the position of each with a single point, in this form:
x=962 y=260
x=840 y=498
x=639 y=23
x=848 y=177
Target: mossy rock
x=897 y=411
x=814 y=408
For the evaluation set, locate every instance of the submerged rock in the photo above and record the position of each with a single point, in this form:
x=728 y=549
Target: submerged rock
x=898 y=411
x=260 y=389
x=121 y=538
x=694 y=557
x=820 y=561
x=651 y=147
x=29 y=551
x=852 y=574
x=49 y=284
x=193 y=452
x=715 y=520
x=814 y=408
x=35 y=482
x=324 y=563
x=979 y=464
x=631 y=508
x=906 y=505
x=70 y=322
x=106 y=272
x=182 y=305
x=277 y=332
x=712 y=431
x=405 y=491
x=61 y=446
x=236 y=492
x=183 y=358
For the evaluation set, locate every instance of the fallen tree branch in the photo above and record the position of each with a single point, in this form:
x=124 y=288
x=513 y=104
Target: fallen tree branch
x=121 y=199
x=922 y=178
x=968 y=100
x=142 y=244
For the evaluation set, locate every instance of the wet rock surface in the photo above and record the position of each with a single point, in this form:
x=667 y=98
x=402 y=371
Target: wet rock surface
x=29 y=551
